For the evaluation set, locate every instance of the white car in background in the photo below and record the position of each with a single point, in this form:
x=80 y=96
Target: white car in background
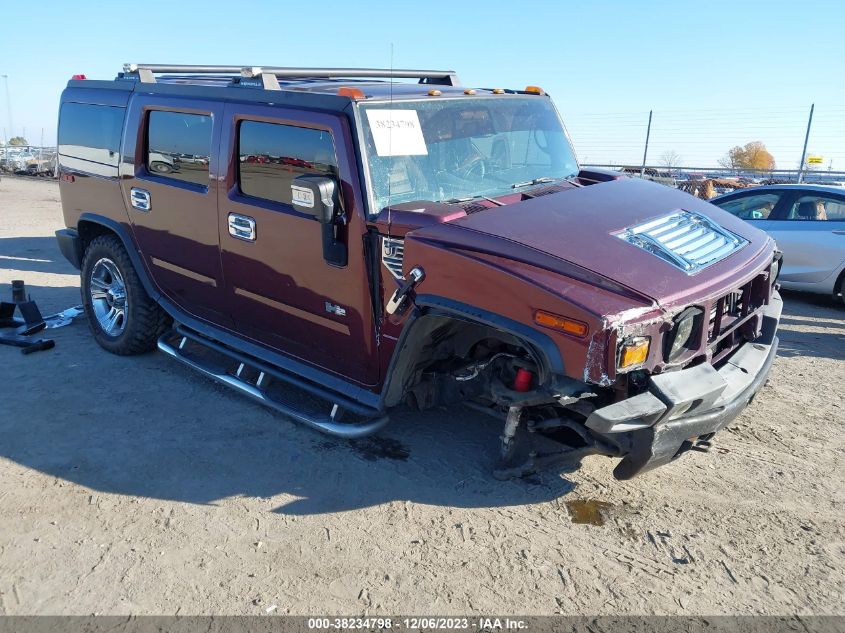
x=808 y=224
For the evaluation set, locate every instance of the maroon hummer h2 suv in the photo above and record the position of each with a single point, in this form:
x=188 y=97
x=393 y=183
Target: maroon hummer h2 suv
x=378 y=242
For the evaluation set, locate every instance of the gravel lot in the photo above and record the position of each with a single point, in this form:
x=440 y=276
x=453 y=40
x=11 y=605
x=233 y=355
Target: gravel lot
x=131 y=485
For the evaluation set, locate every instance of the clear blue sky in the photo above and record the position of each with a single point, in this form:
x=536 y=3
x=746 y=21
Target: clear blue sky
x=716 y=73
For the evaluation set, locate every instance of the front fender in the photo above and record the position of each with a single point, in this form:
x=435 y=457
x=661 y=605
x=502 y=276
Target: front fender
x=432 y=312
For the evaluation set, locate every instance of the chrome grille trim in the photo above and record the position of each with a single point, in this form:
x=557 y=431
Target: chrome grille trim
x=392 y=255
x=688 y=240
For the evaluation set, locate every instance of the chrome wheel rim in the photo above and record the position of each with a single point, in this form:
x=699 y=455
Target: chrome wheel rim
x=108 y=297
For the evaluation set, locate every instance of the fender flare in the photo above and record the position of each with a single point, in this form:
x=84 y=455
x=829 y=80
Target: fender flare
x=123 y=235
x=543 y=347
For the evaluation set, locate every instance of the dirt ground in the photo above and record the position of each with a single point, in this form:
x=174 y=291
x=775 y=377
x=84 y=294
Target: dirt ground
x=132 y=485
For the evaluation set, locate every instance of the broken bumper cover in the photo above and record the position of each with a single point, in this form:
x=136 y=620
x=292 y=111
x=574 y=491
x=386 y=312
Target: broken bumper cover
x=654 y=427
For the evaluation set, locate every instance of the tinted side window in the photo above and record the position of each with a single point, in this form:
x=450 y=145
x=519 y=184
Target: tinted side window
x=271 y=155
x=91 y=132
x=179 y=145
x=757 y=207
x=817 y=208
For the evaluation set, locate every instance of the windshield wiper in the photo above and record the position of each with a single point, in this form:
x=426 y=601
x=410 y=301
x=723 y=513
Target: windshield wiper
x=545 y=179
x=536 y=181
x=468 y=198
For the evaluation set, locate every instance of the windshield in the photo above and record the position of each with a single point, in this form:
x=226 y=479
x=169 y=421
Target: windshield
x=457 y=149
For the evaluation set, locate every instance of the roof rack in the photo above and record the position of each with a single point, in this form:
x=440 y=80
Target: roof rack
x=269 y=75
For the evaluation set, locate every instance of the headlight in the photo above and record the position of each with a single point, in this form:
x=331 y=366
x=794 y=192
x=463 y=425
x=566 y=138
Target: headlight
x=633 y=352
x=776 y=266
x=681 y=337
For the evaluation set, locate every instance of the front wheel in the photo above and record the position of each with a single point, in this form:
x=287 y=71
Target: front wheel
x=161 y=168
x=122 y=316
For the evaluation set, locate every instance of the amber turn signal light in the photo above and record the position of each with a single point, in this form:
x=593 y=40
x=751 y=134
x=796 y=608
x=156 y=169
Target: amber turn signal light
x=535 y=90
x=353 y=93
x=560 y=323
x=634 y=352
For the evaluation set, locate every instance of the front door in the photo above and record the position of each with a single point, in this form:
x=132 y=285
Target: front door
x=171 y=195
x=282 y=291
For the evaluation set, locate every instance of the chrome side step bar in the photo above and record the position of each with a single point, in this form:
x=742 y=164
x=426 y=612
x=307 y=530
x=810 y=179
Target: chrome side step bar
x=326 y=423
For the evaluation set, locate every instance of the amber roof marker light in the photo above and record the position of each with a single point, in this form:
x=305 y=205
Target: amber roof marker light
x=356 y=94
x=534 y=90
x=561 y=323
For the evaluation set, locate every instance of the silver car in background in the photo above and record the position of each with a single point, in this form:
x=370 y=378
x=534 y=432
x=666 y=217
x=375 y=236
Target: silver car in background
x=808 y=224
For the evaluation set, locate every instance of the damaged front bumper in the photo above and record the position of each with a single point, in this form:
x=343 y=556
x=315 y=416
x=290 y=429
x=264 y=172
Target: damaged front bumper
x=679 y=407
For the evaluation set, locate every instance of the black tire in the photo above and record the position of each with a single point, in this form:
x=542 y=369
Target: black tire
x=842 y=289
x=161 y=168
x=142 y=321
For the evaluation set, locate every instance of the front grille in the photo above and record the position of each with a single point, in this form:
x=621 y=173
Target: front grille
x=730 y=305
x=735 y=316
x=392 y=255
x=685 y=239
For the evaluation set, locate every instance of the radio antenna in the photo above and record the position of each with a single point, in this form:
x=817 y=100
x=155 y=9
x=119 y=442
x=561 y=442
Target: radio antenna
x=390 y=147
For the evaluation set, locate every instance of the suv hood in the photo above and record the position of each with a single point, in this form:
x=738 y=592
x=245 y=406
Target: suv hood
x=576 y=233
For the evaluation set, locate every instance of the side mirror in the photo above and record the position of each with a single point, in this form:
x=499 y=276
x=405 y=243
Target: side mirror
x=317 y=196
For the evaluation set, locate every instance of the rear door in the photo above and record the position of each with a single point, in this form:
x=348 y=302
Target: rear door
x=281 y=290
x=171 y=194
x=810 y=230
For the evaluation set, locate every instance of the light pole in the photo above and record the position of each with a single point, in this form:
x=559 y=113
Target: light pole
x=9 y=105
x=804 y=151
x=645 y=150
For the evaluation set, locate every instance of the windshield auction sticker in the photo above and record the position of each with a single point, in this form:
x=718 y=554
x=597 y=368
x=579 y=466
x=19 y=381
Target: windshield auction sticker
x=397 y=132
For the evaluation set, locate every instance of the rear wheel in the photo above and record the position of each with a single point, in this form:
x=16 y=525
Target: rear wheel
x=122 y=316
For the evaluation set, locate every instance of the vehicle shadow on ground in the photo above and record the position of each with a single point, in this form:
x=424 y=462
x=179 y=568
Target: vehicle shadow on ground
x=812 y=312
x=33 y=254
x=145 y=426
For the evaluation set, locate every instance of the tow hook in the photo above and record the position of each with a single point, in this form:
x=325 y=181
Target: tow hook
x=397 y=303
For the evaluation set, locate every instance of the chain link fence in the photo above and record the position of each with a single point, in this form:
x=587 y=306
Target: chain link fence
x=707 y=150
x=708 y=182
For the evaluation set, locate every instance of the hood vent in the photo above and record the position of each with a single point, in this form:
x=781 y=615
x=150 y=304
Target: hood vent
x=688 y=240
x=473 y=207
x=392 y=255
x=544 y=191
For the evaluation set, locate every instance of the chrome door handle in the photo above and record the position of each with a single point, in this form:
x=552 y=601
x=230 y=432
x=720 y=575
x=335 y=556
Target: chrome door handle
x=140 y=199
x=838 y=232
x=242 y=227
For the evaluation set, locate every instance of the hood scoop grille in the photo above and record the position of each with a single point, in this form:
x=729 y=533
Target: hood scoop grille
x=687 y=240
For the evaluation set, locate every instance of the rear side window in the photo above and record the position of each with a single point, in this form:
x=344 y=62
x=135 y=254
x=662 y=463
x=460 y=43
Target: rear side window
x=271 y=155
x=179 y=146
x=91 y=132
x=817 y=208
